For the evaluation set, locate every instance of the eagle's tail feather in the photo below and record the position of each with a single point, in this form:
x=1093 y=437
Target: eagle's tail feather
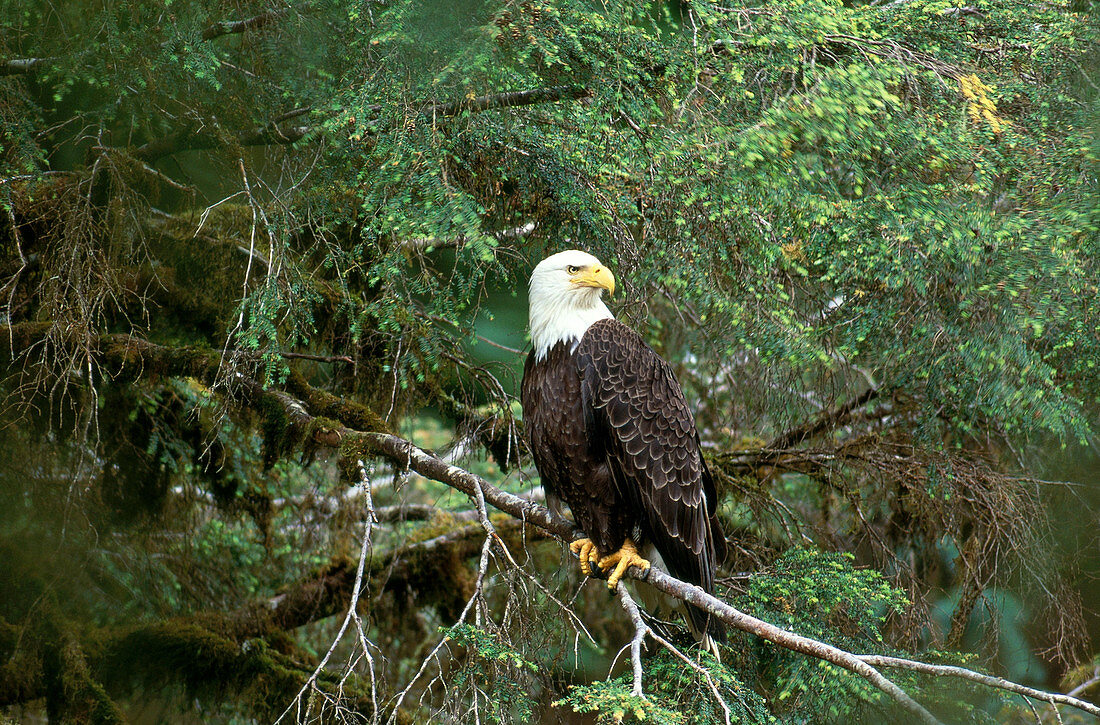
x=707 y=630
x=704 y=627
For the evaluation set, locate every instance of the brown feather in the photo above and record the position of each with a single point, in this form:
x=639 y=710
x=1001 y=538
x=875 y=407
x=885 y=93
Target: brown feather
x=614 y=438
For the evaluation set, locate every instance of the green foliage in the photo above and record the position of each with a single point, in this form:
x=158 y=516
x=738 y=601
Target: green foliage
x=497 y=671
x=821 y=595
x=674 y=694
x=486 y=646
x=613 y=701
x=830 y=186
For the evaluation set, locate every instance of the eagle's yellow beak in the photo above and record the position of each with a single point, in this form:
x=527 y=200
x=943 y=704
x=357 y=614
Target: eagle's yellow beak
x=597 y=276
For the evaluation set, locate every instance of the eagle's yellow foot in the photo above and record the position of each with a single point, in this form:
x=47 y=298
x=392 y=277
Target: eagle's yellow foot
x=586 y=551
x=623 y=559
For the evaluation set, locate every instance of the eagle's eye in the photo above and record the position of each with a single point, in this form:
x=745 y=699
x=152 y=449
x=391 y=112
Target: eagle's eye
x=572 y=269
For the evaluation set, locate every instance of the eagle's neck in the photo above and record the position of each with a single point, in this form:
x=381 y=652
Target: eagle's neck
x=563 y=316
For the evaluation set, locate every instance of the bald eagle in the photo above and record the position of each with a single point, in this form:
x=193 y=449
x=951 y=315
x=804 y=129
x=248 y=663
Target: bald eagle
x=613 y=437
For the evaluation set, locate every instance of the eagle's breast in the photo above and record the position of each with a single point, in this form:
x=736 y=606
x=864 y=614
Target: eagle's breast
x=570 y=459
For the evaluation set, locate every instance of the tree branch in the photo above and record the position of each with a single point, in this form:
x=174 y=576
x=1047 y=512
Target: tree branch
x=19 y=66
x=423 y=244
x=988 y=680
x=352 y=615
x=405 y=453
x=636 y=640
x=894 y=50
x=784 y=638
x=508 y=99
x=327 y=594
x=711 y=685
x=230 y=27
x=270 y=134
x=273 y=133
x=825 y=421
x=316 y=358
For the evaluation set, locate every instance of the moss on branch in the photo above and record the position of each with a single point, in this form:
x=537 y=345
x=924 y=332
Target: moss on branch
x=325 y=404
x=287 y=424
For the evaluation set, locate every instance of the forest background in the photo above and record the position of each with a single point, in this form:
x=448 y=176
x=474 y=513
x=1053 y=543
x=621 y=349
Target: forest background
x=249 y=251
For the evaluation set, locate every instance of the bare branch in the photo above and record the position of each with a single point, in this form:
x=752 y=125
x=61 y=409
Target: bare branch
x=428 y=465
x=1087 y=684
x=19 y=66
x=483 y=567
x=316 y=358
x=640 y=631
x=988 y=680
x=423 y=244
x=311 y=681
x=784 y=638
x=497 y=345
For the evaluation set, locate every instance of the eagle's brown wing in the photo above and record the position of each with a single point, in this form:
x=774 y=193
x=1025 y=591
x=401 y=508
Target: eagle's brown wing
x=636 y=411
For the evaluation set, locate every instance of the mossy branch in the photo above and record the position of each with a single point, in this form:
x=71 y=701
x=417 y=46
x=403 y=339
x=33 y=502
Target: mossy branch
x=210 y=651
x=419 y=565
x=73 y=692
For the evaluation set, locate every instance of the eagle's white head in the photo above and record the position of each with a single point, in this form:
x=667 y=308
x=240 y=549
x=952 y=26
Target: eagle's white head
x=565 y=298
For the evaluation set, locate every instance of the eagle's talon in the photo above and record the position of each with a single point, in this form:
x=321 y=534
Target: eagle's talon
x=623 y=559
x=586 y=551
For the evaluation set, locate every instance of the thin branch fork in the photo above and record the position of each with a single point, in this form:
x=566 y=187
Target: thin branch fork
x=641 y=629
x=352 y=615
